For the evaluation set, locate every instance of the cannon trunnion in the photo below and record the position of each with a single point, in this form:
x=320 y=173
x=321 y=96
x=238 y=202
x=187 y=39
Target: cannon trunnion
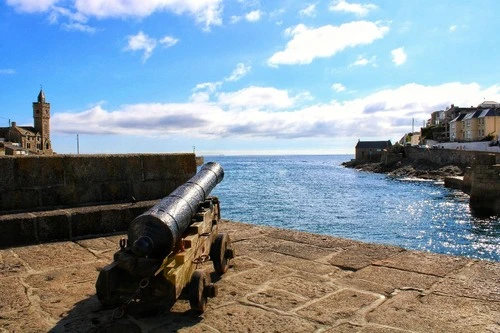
x=166 y=246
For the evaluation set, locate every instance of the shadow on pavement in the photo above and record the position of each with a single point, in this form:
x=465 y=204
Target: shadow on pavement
x=89 y=315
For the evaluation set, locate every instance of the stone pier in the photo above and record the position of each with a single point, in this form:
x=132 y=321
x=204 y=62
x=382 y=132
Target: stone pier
x=280 y=281
x=485 y=185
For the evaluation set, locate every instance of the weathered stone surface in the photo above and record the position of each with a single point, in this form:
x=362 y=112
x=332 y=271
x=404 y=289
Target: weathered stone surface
x=433 y=313
x=311 y=239
x=255 y=245
x=277 y=299
x=36 y=182
x=51 y=288
x=237 y=318
x=345 y=304
x=17 y=229
x=426 y=263
x=351 y=328
x=304 y=251
x=385 y=279
x=479 y=279
x=53 y=255
x=10 y=264
x=26 y=320
x=13 y=296
x=361 y=255
x=53 y=225
x=229 y=292
x=102 y=247
x=261 y=275
x=307 y=285
x=300 y=264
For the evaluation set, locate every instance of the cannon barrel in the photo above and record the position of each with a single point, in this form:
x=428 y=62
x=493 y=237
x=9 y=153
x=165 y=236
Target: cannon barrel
x=155 y=232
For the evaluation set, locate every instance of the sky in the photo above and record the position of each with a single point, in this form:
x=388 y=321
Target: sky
x=241 y=77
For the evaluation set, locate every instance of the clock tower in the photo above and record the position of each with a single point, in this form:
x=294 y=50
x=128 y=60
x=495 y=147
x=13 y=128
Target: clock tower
x=41 y=116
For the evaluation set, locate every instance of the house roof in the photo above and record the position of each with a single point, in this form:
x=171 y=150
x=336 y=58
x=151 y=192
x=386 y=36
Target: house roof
x=374 y=144
x=488 y=104
x=472 y=115
x=487 y=113
x=460 y=117
x=26 y=130
x=41 y=96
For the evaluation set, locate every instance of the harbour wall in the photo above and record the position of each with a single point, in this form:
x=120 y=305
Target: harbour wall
x=483 y=185
x=443 y=157
x=68 y=197
x=481 y=179
x=43 y=182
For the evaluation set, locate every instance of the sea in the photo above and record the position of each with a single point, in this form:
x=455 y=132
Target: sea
x=317 y=194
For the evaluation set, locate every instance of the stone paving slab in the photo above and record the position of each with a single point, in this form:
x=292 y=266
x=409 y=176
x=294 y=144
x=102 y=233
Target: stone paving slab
x=280 y=281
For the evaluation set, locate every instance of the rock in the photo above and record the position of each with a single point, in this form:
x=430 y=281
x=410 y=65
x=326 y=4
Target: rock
x=407 y=168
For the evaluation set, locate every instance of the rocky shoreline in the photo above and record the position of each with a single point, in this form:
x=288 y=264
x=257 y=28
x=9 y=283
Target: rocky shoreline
x=408 y=168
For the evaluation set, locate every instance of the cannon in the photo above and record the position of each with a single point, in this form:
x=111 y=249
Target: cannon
x=160 y=259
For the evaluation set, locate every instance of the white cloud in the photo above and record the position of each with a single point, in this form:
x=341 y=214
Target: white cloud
x=75 y=26
x=309 y=11
x=206 y=12
x=338 y=87
x=7 y=71
x=253 y=16
x=32 y=6
x=399 y=56
x=203 y=92
x=363 y=61
x=168 y=41
x=142 y=42
x=257 y=97
x=257 y=112
x=453 y=28
x=306 y=44
x=235 y=19
x=240 y=71
x=355 y=8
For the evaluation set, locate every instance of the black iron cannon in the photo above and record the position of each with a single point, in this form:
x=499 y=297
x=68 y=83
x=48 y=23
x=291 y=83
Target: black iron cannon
x=166 y=245
x=155 y=232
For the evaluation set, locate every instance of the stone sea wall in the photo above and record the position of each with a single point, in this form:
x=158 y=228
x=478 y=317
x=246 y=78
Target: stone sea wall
x=42 y=182
x=67 y=197
x=484 y=185
x=481 y=179
x=443 y=157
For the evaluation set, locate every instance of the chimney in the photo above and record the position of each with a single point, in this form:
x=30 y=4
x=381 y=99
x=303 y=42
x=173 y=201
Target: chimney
x=14 y=124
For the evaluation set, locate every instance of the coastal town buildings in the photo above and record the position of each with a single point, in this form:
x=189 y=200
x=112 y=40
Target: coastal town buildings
x=464 y=124
x=23 y=140
x=480 y=124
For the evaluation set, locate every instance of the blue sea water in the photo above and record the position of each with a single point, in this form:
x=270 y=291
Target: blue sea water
x=316 y=194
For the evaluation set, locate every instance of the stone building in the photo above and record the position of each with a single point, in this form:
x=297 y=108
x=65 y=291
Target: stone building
x=35 y=139
x=371 y=151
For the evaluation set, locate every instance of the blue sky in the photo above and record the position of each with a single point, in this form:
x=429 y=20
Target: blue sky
x=242 y=76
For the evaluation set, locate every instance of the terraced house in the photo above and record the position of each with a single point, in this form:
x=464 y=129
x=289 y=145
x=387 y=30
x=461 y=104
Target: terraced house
x=482 y=123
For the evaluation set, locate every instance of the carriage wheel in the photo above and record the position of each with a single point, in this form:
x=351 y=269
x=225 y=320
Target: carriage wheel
x=220 y=253
x=198 y=288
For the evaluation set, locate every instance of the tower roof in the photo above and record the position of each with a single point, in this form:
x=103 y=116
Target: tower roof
x=41 y=96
